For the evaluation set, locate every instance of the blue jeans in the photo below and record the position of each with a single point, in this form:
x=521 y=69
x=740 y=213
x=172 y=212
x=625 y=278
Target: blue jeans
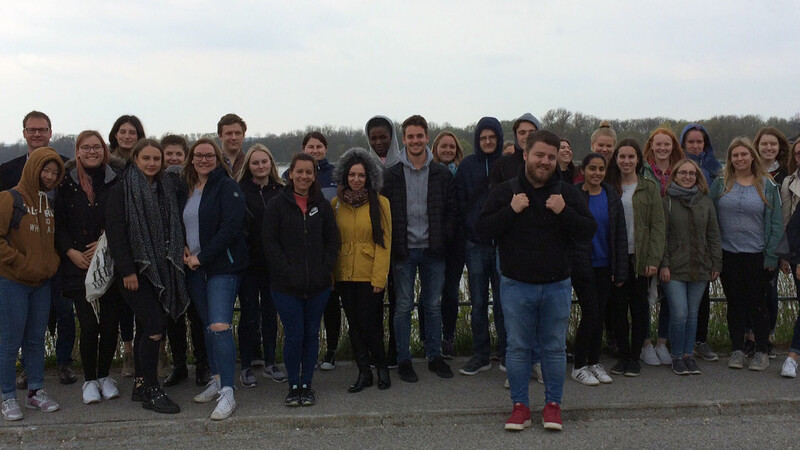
x=684 y=302
x=24 y=312
x=536 y=313
x=213 y=297
x=431 y=277
x=300 y=318
x=482 y=273
x=258 y=324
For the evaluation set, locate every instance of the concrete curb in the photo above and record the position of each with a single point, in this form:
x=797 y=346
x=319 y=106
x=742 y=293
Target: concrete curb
x=168 y=426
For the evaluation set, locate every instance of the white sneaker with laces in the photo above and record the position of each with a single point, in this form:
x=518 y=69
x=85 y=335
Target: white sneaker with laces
x=225 y=404
x=649 y=356
x=789 y=369
x=663 y=354
x=600 y=373
x=211 y=393
x=584 y=376
x=11 y=410
x=506 y=385
x=91 y=392
x=537 y=373
x=42 y=402
x=108 y=387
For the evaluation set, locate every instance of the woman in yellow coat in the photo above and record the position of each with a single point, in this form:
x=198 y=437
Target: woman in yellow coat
x=365 y=228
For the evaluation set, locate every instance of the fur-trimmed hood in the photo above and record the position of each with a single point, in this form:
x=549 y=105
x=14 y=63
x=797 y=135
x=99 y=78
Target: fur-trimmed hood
x=373 y=166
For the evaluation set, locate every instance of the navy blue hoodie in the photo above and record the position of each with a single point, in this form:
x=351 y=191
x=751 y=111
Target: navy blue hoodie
x=472 y=178
x=706 y=160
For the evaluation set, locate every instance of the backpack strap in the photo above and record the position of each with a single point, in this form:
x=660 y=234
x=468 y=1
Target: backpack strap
x=19 y=208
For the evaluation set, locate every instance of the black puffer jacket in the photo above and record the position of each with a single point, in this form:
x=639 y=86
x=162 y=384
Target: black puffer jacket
x=301 y=248
x=79 y=223
x=618 y=237
x=257 y=198
x=442 y=209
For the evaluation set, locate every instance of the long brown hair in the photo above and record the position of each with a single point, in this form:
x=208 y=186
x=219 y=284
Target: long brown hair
x=189 y=172
x=756 y=168
x=84 y=178
x=784 y=153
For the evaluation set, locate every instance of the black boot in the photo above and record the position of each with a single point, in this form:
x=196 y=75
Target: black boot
x=364 y=380
x=156 y=400
x=384 y=382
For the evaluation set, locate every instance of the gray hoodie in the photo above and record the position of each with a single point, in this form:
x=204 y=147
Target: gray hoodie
x=394 y=148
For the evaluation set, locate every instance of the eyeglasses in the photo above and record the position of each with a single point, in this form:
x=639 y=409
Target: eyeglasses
x=488 y=138
x=37 y=130
x=207 y=156
x=91 y=148
x=686 y=173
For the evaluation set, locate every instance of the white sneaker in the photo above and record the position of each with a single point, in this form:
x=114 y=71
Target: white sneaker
x=211 y=393
x=584 y=376
x=506 y=385
x=789 y=369
x=108 y=387
x=91 y=392
x=11 y=410
x=663 y=354
x=42 y=402
x=649 y=357
x=225 y=404
x=537 y=373
x=600 y=373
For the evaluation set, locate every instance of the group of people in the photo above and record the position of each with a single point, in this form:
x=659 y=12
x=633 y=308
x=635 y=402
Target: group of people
x=191 y=228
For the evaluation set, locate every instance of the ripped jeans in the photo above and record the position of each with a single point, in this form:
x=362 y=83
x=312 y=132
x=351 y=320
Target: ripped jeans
x=213 y=297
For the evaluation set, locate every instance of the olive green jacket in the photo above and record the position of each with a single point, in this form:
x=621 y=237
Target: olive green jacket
x=649 y=228
x=693 y=247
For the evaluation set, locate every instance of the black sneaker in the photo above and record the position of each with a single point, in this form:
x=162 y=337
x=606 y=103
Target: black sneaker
x=138 y=392
x=156 y=400
x=619 y=367
x=679 y=366
x=448 y=348
x=307 y=396
x=440 y=367
x=632 y=369
x=406 y=372
x=692 y=366
x=293 y=398
x=66 y=375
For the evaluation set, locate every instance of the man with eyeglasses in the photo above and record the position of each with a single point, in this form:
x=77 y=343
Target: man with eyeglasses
x=472 y=182
x=37 y=131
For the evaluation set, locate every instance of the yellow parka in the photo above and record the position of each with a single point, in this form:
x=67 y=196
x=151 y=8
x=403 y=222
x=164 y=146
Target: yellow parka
x=361 y=259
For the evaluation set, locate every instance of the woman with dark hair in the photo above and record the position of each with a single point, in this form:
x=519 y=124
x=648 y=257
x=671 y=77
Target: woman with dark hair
x=301 y=242
x=216 y=254
x=124 y=134
x=145 y=238
x=258 y=326
x=644 y=220
x=692 y=258
x=29 y=262
x=364 y=220
x=790 y=197
x=596 y=266
x=750 y=221
x=80 y=212
x=566 y=166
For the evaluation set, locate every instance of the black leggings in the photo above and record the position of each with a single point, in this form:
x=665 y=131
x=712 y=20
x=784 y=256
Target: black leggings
x=332 y=318
x=150 y=321
x=592 y=295
x=631 y=296
x=176 y=333
x=364 y=310
x=98 y=340
x=746 y=284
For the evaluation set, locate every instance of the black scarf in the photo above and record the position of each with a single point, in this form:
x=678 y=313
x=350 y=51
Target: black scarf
x=157 y=246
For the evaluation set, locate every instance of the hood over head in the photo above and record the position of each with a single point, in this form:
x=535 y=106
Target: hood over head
x=394 y=148
x=493 y=124
x=707 y=147
x=372 y=165
x=527 y=117
x=29 y=181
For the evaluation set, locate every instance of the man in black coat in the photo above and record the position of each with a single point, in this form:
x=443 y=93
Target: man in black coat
x=535 y=218
x=424 y=208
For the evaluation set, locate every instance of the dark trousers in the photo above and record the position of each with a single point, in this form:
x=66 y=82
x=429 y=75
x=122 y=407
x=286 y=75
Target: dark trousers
x=98 y=340
x=453 y=272
x=702 y=318
x=333 y=322
x=746 y=283
x=126 y=323
x=391 y=352
x=364 y=311
x=176 y=333
x=150 y=321
x=592 y=293
x=795 y=345
x=62 y=321
x=258 y=324
x=631 y=297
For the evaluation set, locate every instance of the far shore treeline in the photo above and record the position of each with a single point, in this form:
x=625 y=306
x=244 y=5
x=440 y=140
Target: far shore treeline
x=575 y=126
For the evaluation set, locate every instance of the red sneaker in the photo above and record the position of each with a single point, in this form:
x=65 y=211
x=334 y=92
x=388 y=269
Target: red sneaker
x=520 y=418
x=551 y=417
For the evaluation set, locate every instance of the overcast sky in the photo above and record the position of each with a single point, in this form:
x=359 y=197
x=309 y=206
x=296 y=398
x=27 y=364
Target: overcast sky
x=179 y=65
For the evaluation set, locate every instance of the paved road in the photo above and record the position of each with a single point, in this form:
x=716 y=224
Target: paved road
x=657 y=407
